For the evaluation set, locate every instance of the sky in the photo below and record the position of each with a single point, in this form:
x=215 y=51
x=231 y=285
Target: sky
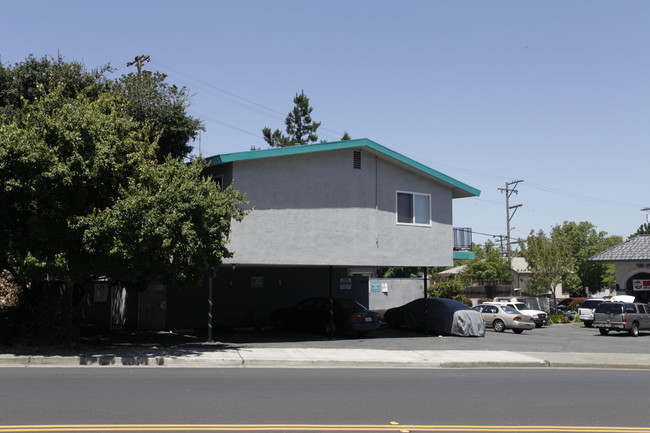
x=552 y=93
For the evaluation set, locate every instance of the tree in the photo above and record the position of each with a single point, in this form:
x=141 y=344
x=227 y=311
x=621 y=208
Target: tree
x=452 y=288
x=644 y=229
x=151 y=101
x=84 y=195
x=62 y=158
x=346 y=136
x=489 y=265
x=549 y=260
x=584 y=242
x=31 y=78
x=168 y=224
x=299 y=126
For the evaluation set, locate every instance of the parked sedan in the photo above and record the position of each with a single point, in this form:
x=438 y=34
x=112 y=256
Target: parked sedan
x=318 y=314
x=502 y=317
x=438 y=315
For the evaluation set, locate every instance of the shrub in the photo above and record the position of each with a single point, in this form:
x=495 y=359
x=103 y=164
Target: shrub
x=452 y=289
x=558 y=318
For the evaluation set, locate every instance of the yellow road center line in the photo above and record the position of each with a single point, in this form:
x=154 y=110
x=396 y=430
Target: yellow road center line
x=313 y=427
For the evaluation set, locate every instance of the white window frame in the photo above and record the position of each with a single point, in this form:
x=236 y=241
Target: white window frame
x=413 y=194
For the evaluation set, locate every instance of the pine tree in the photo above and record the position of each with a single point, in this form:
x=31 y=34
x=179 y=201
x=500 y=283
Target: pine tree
x=299 y=126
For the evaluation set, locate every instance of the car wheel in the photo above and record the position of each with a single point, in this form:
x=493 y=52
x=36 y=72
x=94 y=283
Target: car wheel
x=634 y=330
x=588 y=323
x=517 y=331
x=499 y=326
x=603 y=331
x=330 y=329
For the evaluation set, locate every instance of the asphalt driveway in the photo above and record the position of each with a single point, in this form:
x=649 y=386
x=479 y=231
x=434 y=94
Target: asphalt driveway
x=572 y=337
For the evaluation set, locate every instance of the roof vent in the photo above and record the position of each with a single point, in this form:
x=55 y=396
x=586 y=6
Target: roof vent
x=356 y=163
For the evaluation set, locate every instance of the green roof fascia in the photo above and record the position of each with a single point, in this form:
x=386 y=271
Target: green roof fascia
x=337 y=145
x=464 y=255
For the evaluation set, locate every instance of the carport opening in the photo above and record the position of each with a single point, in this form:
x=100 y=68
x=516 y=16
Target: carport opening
x=641 y=295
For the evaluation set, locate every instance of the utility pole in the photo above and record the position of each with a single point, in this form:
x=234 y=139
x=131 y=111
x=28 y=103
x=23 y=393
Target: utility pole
x=500 y=239
x=647 y=215
x=139 y=62
x=509 y=191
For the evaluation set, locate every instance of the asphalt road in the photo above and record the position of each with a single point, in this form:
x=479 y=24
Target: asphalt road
x=261 y=398
x=555 y=338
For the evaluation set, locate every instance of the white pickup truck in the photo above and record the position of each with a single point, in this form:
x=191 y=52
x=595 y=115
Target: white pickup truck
x=540 y=317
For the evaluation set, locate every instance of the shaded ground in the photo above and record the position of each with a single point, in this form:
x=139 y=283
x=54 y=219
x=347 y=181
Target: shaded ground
x=556 y=338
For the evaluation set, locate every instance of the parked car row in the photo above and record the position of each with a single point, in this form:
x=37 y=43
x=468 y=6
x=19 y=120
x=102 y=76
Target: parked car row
x=451 y=317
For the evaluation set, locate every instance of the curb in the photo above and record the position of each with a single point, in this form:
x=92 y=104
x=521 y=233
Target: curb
x=110 y=361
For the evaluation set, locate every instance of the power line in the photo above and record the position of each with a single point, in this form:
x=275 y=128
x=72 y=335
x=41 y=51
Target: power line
x=249 y=101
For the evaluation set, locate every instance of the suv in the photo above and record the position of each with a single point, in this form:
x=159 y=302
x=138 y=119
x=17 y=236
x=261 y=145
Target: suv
x=586 y=311
x=621 y=316
x=539 y=317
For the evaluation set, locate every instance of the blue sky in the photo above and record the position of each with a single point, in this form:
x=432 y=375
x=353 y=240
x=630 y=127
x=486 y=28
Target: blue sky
x=555 y=93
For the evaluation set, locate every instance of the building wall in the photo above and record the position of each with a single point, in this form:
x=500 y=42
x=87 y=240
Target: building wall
x=628 y=271
x=385 y=293
x=316 y=209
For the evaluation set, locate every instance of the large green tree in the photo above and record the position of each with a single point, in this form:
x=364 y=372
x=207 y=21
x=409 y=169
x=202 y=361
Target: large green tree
x=168 y=224
x=84 y=193
x=60 y=159
x=300 y=127
x=549 y=260
x=584 y=241
x=24 y=82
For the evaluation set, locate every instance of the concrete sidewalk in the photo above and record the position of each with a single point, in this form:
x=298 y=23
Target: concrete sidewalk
x=206 y=356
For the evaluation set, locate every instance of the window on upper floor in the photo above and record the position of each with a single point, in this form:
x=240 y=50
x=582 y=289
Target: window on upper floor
x=413 y=208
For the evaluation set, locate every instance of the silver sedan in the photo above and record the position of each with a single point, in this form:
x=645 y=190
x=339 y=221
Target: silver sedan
x=502 y=317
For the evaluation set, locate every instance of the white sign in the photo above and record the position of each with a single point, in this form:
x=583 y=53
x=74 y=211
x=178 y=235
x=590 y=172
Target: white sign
x=641 y=285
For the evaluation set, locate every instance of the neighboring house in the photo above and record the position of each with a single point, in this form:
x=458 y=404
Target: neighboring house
x=520 y=276
x=632 y=262
x=323 y=218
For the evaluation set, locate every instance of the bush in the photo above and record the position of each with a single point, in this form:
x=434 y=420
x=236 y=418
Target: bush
x=451 y=289
x=558 y=318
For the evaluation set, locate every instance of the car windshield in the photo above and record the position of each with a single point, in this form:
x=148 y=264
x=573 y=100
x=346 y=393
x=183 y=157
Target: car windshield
x=609 y=308
x=520 y=306
x=508 y=309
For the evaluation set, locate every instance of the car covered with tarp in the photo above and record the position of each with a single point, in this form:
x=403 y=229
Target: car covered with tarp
x=439 y=316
